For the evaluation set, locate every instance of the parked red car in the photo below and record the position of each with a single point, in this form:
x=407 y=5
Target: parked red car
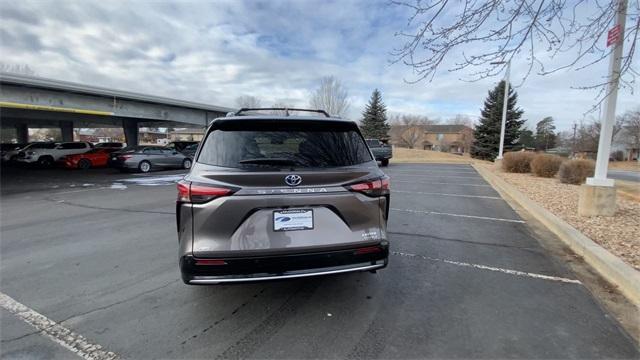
x=97 y=157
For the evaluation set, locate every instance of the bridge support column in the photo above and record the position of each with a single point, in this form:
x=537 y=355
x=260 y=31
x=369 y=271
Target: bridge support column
x=130 y=132
x=22 y=133
x=66 y=128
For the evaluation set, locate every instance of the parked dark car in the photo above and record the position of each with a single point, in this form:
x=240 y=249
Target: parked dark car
x=190 y=150
x=381 y=151
x=109 y=145
x=148 y=158
x=10 y=149
x=180 y=146
x=277 y=197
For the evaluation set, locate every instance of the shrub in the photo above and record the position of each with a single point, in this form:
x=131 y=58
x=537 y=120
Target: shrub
x=546 y=165
x=576 y=171
x=517 y=162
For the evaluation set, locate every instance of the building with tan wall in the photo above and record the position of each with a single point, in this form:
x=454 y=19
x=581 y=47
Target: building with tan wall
x=447 y=138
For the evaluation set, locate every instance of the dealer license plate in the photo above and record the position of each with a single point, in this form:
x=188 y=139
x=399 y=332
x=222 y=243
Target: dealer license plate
x=295 y=219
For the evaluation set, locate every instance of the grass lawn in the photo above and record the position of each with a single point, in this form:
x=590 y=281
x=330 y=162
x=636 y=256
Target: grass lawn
x=624 y=165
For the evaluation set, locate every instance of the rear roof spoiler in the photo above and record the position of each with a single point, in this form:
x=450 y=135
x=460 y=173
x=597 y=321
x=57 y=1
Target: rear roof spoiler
x=286 y=111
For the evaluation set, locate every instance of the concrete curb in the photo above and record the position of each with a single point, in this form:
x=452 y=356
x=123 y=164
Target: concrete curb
x=614 y=270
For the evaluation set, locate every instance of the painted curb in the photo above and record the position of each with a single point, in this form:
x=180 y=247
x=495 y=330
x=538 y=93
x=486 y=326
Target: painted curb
x=614 y=270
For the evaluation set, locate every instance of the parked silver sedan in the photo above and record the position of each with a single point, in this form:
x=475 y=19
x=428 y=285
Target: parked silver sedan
x=148 y=158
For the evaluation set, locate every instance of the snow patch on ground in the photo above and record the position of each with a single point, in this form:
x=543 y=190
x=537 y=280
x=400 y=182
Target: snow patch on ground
x=118 y=186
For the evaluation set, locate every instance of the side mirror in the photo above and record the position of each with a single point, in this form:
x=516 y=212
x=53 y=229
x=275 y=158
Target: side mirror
x=175 y=152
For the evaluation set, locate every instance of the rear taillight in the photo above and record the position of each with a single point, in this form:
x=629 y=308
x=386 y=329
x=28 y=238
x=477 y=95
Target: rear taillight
x=198 y=194
x=124 y=157
x=375 y=187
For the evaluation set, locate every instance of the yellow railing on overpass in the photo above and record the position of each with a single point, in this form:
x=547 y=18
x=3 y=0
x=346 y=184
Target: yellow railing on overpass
x=52 y=108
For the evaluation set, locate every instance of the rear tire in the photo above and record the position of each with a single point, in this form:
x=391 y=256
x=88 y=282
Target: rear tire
x=384 y=162
x=45 y=161
x=186 y=164
x=144 y=166
x=84 y=164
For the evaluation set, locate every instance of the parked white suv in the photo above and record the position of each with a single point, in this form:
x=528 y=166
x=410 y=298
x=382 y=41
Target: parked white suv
x=47 y=157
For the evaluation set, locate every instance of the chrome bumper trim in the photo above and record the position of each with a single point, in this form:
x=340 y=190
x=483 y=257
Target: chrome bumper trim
x=205 y=280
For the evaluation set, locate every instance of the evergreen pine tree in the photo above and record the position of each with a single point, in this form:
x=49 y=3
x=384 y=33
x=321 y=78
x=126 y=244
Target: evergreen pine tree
x=374 y=118
x=545 y=134
x=487 y=133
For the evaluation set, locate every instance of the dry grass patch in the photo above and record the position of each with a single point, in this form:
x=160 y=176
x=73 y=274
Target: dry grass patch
x=403 y=155
x=625 y=165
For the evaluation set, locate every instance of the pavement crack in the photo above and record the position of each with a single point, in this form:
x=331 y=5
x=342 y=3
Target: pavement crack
x=233 y=312
x=524 y=248
x=118 y=302
x=70 y=203
x=4 y=341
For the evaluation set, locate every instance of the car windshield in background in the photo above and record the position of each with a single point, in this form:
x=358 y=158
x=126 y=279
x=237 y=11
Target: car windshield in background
x=315 y=149
x=373 y=142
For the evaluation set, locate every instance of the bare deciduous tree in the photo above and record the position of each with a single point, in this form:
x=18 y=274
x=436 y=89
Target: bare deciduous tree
x=407 y=130
x=247 y=101
x=17 y=69
x=588 y=135
x=279 y=112
x=461 y=119
x=630 y=132
x=331 y=97
x=484 y=35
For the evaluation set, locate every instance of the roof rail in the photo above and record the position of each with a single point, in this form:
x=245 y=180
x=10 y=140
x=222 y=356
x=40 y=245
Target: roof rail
x=286 y=111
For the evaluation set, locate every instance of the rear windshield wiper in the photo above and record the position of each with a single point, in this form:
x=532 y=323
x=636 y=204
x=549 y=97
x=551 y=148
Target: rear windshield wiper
x=269 y=161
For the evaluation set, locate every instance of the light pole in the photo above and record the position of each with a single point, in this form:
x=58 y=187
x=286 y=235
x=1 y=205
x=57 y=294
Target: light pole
x=606 y=129
x=598 y=195
x=504 y=105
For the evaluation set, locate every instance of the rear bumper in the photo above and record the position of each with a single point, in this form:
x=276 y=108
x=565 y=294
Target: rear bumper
x=275 y=267
x=383 y=156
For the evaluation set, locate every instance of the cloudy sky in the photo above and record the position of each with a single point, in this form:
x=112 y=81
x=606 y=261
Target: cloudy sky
x=215 y=51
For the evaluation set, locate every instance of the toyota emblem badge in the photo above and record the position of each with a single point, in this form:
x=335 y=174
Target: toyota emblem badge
x=293 y=180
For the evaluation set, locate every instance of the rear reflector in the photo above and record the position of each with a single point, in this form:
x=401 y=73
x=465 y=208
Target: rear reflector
x=212 y=262
x=368 y=250
x=198 y=194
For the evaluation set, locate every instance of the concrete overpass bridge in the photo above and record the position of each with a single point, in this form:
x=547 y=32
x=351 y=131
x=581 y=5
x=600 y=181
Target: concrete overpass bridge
x=27 y=101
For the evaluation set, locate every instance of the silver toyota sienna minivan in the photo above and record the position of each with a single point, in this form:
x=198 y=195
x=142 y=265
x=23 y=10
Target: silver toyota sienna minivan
x=275 y=197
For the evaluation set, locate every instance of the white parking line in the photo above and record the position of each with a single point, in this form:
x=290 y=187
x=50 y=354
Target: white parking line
x=445 y=194
x=458 y=215
x=432 y=171
x=56 y=332
x=439 y=183
x=439 y=176
x=491 y=268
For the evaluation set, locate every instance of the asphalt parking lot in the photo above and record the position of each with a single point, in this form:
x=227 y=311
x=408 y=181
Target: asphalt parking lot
x=468 y=278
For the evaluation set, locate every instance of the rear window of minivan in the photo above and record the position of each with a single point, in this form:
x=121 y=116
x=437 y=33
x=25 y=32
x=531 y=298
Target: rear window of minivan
x=262 y=145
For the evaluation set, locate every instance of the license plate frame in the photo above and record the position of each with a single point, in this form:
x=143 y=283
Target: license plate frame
x=296 y=220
